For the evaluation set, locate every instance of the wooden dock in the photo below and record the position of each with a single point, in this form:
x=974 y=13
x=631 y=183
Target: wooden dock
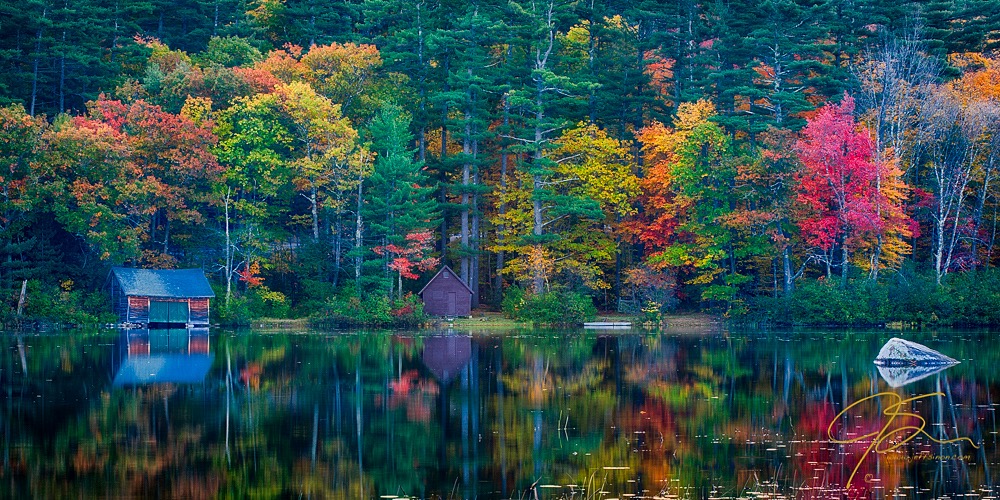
x=608 y=325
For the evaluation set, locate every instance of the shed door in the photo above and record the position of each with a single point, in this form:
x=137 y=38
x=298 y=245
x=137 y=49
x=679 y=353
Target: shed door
x=168 y=312
x=452 y=304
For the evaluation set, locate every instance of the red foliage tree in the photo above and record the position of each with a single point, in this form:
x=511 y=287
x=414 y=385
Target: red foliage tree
x=850 y=201
x=409 y=257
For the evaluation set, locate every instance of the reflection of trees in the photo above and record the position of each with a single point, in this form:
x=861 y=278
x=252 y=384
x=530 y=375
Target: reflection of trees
x=361 y=415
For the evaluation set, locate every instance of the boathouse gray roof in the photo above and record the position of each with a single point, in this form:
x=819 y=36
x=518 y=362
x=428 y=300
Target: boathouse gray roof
x=443 y=269
x=164 y=283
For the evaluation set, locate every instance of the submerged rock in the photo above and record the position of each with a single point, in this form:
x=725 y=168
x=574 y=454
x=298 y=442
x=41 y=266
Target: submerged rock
x=899 y=352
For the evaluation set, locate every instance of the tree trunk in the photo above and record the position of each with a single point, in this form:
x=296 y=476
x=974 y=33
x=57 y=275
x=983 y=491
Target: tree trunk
x=358 y=243
x=939 y=271
x=786 y=259
x=993 y=238
x=153 y=221
x=62 y=76
x=34 y=67
x=444 y=168
x=337 y=246
x=166 y=234
x=466 y=175
x=114 y=38
x=591 y=52
x=474 y=258
x=229 y=247
x=876 y=259
x=843 y=267
x=538 y=279
x=314 y=209
x=977 y=218
x=498 y=286
x=442 y=195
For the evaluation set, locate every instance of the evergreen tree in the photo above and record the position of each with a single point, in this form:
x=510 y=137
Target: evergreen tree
x=472 y=95
x=311 y=23
x=539 y=99
x=396 y=201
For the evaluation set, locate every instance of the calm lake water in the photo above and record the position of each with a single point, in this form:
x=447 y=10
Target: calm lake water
x=524 y=414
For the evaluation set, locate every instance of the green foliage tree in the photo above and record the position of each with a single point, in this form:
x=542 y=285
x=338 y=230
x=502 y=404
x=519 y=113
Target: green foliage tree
x=396 y=200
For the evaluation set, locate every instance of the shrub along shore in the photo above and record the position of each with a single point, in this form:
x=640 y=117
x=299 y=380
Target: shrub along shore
x=906 y=299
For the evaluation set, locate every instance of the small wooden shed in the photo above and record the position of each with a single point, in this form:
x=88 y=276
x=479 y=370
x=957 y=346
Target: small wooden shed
x=447 y=295
x=160 y=297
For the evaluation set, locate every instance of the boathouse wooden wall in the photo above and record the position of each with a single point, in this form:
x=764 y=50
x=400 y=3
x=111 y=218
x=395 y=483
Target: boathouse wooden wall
x=447 y=295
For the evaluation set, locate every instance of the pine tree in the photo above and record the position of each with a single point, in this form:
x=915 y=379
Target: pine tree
x=538 y=99
x=396 y=201
x=320 y=23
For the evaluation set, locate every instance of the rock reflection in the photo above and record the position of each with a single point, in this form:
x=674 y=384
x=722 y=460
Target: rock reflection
x=898 y=376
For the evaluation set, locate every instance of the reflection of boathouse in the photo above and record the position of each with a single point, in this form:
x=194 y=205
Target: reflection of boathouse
x=160 y=297
x=447 y=356
x=175 y=356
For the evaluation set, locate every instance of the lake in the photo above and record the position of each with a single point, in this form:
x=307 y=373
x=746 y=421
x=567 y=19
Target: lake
x=519 y=414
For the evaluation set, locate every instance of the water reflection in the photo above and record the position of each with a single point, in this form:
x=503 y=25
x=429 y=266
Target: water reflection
x=446 y=355
x=898 y=376
x=179 y=356
x=520 y=415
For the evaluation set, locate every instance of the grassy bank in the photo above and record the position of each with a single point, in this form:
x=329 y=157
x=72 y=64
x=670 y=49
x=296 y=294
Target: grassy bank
x=674 y=323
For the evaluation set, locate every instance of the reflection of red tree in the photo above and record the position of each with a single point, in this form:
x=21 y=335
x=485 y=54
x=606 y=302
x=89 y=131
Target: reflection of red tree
x=824 y=468
x=414 y=393
x=404 y=383
x=250 y=376
x=658 y=425
x=815 y=464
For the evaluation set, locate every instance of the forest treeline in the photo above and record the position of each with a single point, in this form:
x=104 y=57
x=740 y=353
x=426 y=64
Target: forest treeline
x=773 y=158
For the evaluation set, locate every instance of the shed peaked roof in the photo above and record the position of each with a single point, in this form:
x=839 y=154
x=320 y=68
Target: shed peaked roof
x=172 y=283
x=443 y=269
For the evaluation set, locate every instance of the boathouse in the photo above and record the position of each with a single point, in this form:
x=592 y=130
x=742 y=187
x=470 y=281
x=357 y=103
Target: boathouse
x=447 y=295
x=160 y=297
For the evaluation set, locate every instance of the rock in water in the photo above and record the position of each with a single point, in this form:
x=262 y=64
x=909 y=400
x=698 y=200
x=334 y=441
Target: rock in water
x=899 y=352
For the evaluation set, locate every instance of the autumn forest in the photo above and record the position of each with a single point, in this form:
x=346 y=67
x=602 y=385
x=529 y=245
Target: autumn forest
x=805 y=161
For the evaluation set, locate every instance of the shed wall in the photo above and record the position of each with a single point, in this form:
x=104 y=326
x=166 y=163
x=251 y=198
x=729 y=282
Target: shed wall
x=199 y=311
x=138 y=310
x=119 y=302
x=439 y=302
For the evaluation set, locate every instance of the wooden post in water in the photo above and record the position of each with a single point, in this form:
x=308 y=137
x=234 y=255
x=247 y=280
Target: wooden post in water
x=20 y=301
